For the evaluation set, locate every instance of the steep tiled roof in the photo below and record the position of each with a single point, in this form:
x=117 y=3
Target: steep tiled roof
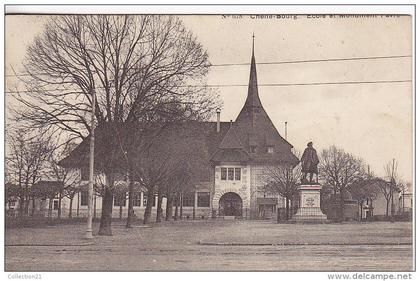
x=230 y=140
x=230 y=149
x=230 y=155
x=202 y=135
x=253 y=127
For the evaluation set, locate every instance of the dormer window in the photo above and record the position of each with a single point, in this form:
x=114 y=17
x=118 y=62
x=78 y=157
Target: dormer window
x=253 y=149
x=270 y=149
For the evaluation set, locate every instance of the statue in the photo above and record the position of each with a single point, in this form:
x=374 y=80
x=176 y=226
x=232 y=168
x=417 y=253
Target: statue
x=309 y=163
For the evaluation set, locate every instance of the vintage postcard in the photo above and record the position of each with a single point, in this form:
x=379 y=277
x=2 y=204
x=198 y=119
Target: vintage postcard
x=209 y=142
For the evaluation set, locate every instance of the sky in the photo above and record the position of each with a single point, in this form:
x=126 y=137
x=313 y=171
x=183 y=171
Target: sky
x=371 y=121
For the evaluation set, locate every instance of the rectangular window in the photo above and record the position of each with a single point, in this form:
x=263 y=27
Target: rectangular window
x=253 y=149
x=237 y=174
x=203 y=199
x=55 y=204
x=120 y=199
x=224 y=174
x=270 y=149
x=188 y=200
x=136 y=199
x=230 y=174
x=83 y=198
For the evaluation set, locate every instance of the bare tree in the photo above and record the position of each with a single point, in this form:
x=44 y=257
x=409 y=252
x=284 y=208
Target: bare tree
x=136 y=145
x=48 y=190
x=12 y=193
x=180 y=182
x=391 y=184
x=69 y=179
x=363 y=189
x=70 y=192
x=283 y=180
x=169 y=158
x=340 y=170
x=153 y=167
x=137 y=66
x=25 y=159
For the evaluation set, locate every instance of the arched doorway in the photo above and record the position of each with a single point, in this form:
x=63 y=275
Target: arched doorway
x=230 y=204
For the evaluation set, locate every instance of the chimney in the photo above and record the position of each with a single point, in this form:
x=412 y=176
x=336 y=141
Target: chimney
x=218 y=120
x=285 y=130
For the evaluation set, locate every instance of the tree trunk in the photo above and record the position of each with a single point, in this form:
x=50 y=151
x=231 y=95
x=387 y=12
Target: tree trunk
x=168 y=208
x=180 y=207
x=194 y=207
x=370 y=210
x=176 y=208
x=159 y=207
x=27 y=205
x=33 y=206
x=292 y=208
x=106 y=214
x=71 y=206
x=130 y=213
x=59 y=206
x=94 y=206
x=78 y=204
x=121 y=207
x=287 y=208
x=341 y=213
x=50 y=206
x=149 y=205
x=21 y=206
x=387 y=209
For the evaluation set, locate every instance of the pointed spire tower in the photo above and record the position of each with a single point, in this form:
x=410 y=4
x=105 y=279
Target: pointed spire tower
x=253 y=137
x=253 y=102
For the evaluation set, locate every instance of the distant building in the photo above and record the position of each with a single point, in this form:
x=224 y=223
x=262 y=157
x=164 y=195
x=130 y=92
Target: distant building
x=405 y=200
x=379 y=205
x=378 y=208
x=237 y=154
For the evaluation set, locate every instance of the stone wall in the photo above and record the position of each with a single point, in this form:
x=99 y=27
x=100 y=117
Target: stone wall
x=242 y=187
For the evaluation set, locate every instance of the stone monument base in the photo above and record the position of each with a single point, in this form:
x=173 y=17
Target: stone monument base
x=309 y=204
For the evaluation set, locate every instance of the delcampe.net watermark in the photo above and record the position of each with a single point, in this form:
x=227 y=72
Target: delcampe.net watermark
x=370 y=276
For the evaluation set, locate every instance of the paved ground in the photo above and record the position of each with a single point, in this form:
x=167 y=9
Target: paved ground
x=215 y=245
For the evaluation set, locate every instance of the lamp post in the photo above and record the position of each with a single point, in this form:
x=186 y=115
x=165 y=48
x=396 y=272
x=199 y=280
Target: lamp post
x=392 y=191
x=91 y=168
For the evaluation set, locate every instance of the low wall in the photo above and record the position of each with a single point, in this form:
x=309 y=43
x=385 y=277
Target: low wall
x=187 y=212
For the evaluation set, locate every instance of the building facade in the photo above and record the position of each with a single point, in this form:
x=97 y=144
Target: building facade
x=237 y=154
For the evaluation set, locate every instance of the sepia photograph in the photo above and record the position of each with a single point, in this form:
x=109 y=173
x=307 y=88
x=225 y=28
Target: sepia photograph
x=209 y=142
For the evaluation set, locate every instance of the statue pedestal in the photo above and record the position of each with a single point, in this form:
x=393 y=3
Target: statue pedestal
x=309 y=204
